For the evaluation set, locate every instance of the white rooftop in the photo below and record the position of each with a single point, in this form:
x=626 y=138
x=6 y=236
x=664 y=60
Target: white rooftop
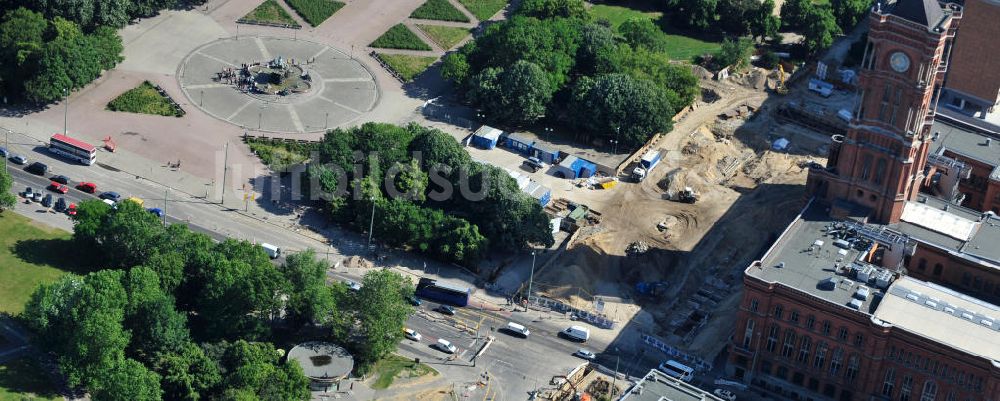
x=938 y=220
x=943 y=315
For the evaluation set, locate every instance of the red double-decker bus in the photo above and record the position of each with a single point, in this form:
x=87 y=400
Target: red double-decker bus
x=73 y=148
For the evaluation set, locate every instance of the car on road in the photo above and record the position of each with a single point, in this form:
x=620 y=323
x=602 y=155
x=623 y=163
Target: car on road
x=18 y=159
x=4 y=153
x=414 y=301
x=533 y=164
x=724 y=394
x=62 y=179
x=157 y=211
x=47 y=200
x=445 y=309
x=353 y=285
x=36 y=196
x=37 y=168
x=27 y=192
x=71 y=210
x=585 y=354
x=111 y=196
x=61 y=205
x=412 y=334
x=445 y=346
x=57 y=187
x=87 y=187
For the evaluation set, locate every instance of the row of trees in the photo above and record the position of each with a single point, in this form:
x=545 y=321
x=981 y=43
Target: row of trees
x=180 y=317
x=734 y=17
x=91 y=14
x=426 y=193
x=553 y=61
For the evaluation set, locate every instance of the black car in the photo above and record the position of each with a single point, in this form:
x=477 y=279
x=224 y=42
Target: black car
x=61 y=205
x=47 y=200
x=37 y=168
x=414 y=301
x=445 y=309
x=111 y=196
x=62 y=179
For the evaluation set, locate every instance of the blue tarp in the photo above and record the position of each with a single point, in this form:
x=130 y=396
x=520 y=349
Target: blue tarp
x=583 y=168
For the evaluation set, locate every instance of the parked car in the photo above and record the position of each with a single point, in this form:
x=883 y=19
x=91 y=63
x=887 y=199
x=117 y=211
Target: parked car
x=3 y=152
x=37 y=196
x=18 y=159
x=414 y=301
x=445 y=309
x=61 y=205
x=62 y=179
x=111 y=196
x=57 y=187
x=411 y=334
x=724 y=394
x=47 y=200
x=71 y=210
x=534 y=164
x=87 y=187
x=445 y=346
x=157 y=211
x=585 y=354
x=353 y=285
x=37 y=168
x=27 y=192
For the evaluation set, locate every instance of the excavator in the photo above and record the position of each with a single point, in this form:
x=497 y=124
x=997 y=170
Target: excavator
x=781 y=89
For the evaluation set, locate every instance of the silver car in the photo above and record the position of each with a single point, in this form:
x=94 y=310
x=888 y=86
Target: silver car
x=18 y=159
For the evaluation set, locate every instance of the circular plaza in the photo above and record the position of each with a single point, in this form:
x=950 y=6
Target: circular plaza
x=277 y=84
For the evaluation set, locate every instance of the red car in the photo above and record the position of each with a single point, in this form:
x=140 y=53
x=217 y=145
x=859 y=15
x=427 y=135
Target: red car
x=87 y=187
x=57 y=187
x=71 y=210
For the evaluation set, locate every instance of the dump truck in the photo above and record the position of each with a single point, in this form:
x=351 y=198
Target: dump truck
x=646 y=165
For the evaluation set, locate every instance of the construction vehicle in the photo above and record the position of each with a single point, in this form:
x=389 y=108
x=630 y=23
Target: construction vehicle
x=687 y=195
x=646 y=165
x=781 y=89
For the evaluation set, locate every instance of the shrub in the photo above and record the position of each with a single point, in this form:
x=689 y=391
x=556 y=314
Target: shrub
x=270 y=12
x=315 y=11
x=440 y=10
x=145 y=99
x=400 y=37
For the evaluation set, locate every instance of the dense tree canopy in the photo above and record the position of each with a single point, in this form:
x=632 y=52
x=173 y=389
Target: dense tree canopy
x=7 y=199
x=626 y=107
x=849 y=12
x=820 y=28
x=515 y=95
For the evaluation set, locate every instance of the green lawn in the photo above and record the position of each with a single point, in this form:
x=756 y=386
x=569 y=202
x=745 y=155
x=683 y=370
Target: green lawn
x=440 y=10
x=395 y=366
x=144 y=99
x=23 y=380
x=408 y=67
x=679 y=46
x=29 y=254
x=270 y=12
x=315 y=11
x=445 y=36
x=484 y=9
x=400 y=37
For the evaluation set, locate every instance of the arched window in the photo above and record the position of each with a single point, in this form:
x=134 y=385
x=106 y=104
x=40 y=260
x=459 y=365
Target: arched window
x=930 y=391
x=922 y=264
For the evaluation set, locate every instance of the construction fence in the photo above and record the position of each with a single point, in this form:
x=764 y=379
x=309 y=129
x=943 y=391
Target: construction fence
x=676 y=354
x=598 y=320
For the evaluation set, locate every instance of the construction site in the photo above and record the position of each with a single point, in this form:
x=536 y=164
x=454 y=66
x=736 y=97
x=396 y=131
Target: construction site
x=664 y=256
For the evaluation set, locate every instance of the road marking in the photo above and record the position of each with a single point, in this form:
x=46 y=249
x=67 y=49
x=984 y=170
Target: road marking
x=216 y=59
x=238 y=110
x=320 y=53
x=347 y=108
x=263 y=49
x=208 y=86
x=295 y=118
x=347 y=80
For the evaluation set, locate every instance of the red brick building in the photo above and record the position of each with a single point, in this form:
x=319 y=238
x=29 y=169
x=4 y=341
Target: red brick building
x=876 y=291
x=973 y=82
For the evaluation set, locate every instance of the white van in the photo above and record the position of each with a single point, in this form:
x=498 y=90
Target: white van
x=677 y=370
x=518 y=330
x=445 y=346
x=272 y=251
x=577 y=333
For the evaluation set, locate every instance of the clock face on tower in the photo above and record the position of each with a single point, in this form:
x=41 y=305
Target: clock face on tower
x=899 y=62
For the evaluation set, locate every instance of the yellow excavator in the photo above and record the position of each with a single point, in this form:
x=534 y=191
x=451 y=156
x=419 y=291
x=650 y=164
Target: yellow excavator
x=781 y=89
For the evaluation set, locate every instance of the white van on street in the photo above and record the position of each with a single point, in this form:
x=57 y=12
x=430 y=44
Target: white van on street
x=273 y=251
x=445 y=346
x=517 y=330
x=577 y=333
x=677 y=370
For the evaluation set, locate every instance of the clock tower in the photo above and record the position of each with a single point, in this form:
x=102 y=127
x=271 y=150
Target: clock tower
x=880 y=164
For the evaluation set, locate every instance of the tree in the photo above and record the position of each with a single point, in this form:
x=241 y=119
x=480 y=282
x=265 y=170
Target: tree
x=150 y=316
x=253 y=369
x=597 y=42
x=516 y=95
x=455 y=67
x=735 y=53
x=642 y=32
x=187 y=375
x=794 y=13
x=7 y=199
x=309 y=299
x=550 y=44
x=21 y=39
x=438 y=148
x=849 y=12
x=382 y=313
x=695 y=14
x=748 y=17
x=617 y=105
x=128 y=380
x=129 y=235
x=821 y=27
x=548 y=9
x=679 y=82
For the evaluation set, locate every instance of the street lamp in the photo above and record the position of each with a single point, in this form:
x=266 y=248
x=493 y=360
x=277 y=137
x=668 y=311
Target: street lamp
x=481 y=116
x=614 y=142
x=617 y=134
x=66 y=113
x=531 y=278
x=371 y=225
x=548 y=132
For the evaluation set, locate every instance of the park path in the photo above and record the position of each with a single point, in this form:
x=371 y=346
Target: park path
x=460 y=7
x=435 y=47
x=295 y=16
x=454 y=24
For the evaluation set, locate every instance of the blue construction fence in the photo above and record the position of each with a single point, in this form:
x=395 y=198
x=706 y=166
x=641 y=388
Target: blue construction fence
x=677 y=355
x=595 y=319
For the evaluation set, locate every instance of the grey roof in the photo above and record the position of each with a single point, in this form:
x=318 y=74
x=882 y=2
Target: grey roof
x=981 y=245
x=806 y=259
x=657 y=386
x=967 y=143
x=925 y=12
x=322 y=361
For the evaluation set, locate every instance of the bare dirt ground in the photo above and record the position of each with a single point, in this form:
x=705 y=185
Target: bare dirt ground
x=747 y=194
